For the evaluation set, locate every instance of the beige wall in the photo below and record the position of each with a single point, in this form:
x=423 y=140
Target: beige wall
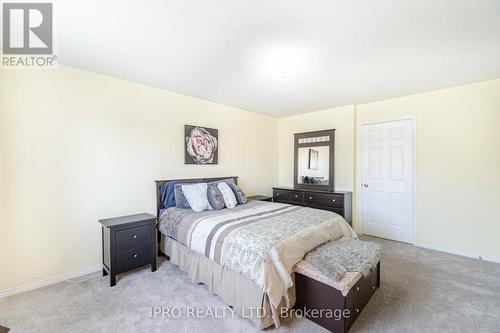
x=342 y=119
x=458 y=163
x=78 y=146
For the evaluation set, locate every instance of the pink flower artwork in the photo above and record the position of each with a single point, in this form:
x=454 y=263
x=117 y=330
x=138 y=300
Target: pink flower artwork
x=201 y=145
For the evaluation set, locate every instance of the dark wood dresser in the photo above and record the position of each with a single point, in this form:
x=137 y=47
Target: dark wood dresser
x=339 y=202
x=128 y=242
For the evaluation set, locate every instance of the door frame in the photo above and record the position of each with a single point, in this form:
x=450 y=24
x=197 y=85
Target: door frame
x=359 y=198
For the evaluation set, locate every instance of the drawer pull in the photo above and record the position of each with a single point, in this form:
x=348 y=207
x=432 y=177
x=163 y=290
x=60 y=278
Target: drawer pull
x=357 y=310
x=296 y=196
x=373 y=287
x=277 y=194
x=310 y=198
x=357 y=288
x=134 y=236
x=135 y=255
x=333 y=200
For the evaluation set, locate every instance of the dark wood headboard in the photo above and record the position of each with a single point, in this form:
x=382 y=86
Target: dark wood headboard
x=159 y=183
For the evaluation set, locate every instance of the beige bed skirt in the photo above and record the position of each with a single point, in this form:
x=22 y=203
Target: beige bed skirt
x=244 y=295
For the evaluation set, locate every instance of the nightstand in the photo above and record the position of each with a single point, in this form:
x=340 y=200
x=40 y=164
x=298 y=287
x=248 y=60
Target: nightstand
x=128 y=242
x=261 y=198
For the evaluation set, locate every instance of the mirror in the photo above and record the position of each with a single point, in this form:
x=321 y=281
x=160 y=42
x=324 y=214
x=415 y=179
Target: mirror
x=314 y=157
x=313 y=165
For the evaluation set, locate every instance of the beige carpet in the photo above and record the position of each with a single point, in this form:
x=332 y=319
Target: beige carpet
x=421 y=291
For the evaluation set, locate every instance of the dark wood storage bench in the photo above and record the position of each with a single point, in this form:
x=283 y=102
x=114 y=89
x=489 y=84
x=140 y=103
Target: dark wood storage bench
x=312 y=294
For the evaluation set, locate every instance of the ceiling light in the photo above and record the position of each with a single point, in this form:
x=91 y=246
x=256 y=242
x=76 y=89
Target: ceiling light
x=283 y=62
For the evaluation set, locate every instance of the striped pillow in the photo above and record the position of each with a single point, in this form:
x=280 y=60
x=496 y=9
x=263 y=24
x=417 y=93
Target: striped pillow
x=227 y=195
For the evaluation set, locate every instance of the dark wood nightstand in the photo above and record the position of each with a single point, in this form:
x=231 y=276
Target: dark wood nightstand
x=128 y=242
x=261 y=198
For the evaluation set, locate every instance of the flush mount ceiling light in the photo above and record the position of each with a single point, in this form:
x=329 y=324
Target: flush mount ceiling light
x=284 y=62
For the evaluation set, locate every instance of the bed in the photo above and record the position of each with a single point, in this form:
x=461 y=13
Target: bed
x=247 y=255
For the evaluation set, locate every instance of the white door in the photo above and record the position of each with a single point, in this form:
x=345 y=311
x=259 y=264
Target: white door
x=387 y=180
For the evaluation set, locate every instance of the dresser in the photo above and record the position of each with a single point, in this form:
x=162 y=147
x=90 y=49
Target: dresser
x=339 y=202
x=128 y=242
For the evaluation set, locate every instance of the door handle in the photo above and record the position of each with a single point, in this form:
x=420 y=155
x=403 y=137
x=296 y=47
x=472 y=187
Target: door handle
x=364 y=185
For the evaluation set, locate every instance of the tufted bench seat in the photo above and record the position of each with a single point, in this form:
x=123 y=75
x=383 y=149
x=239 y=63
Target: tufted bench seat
x=324 y=283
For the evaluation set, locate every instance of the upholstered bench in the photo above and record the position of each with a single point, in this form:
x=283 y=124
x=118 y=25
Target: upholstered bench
x=334 y=299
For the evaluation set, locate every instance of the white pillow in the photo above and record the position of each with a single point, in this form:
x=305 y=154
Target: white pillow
x=196 y=196
x=227 y=195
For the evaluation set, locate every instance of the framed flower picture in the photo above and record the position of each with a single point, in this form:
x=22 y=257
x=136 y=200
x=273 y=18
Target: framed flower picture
x=200 y=145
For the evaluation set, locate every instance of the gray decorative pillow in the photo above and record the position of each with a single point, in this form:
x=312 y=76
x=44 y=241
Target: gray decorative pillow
x=215 y=198
x=240 y=195
x=180 y=198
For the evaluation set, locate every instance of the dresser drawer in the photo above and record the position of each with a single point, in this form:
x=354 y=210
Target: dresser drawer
x=324 y=199
x=288 y=196
x=133 y=258
x=133 y=237
x=339 y=211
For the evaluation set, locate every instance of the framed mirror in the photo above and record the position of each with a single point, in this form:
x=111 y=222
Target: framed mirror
x=314 y=160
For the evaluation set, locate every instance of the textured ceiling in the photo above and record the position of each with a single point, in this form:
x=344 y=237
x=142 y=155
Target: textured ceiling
x=284 y=57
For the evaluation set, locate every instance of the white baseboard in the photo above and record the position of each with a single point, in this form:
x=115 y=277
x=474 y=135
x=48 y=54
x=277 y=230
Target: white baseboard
x=458 y=252
x=49 y=281
x=451 y=251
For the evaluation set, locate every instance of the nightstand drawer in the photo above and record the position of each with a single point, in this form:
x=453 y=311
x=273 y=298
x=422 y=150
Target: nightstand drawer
x=133 y=237
x=133 y=258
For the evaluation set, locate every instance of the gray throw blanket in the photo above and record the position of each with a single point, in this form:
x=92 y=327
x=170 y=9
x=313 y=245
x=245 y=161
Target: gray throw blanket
x=335 y=258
